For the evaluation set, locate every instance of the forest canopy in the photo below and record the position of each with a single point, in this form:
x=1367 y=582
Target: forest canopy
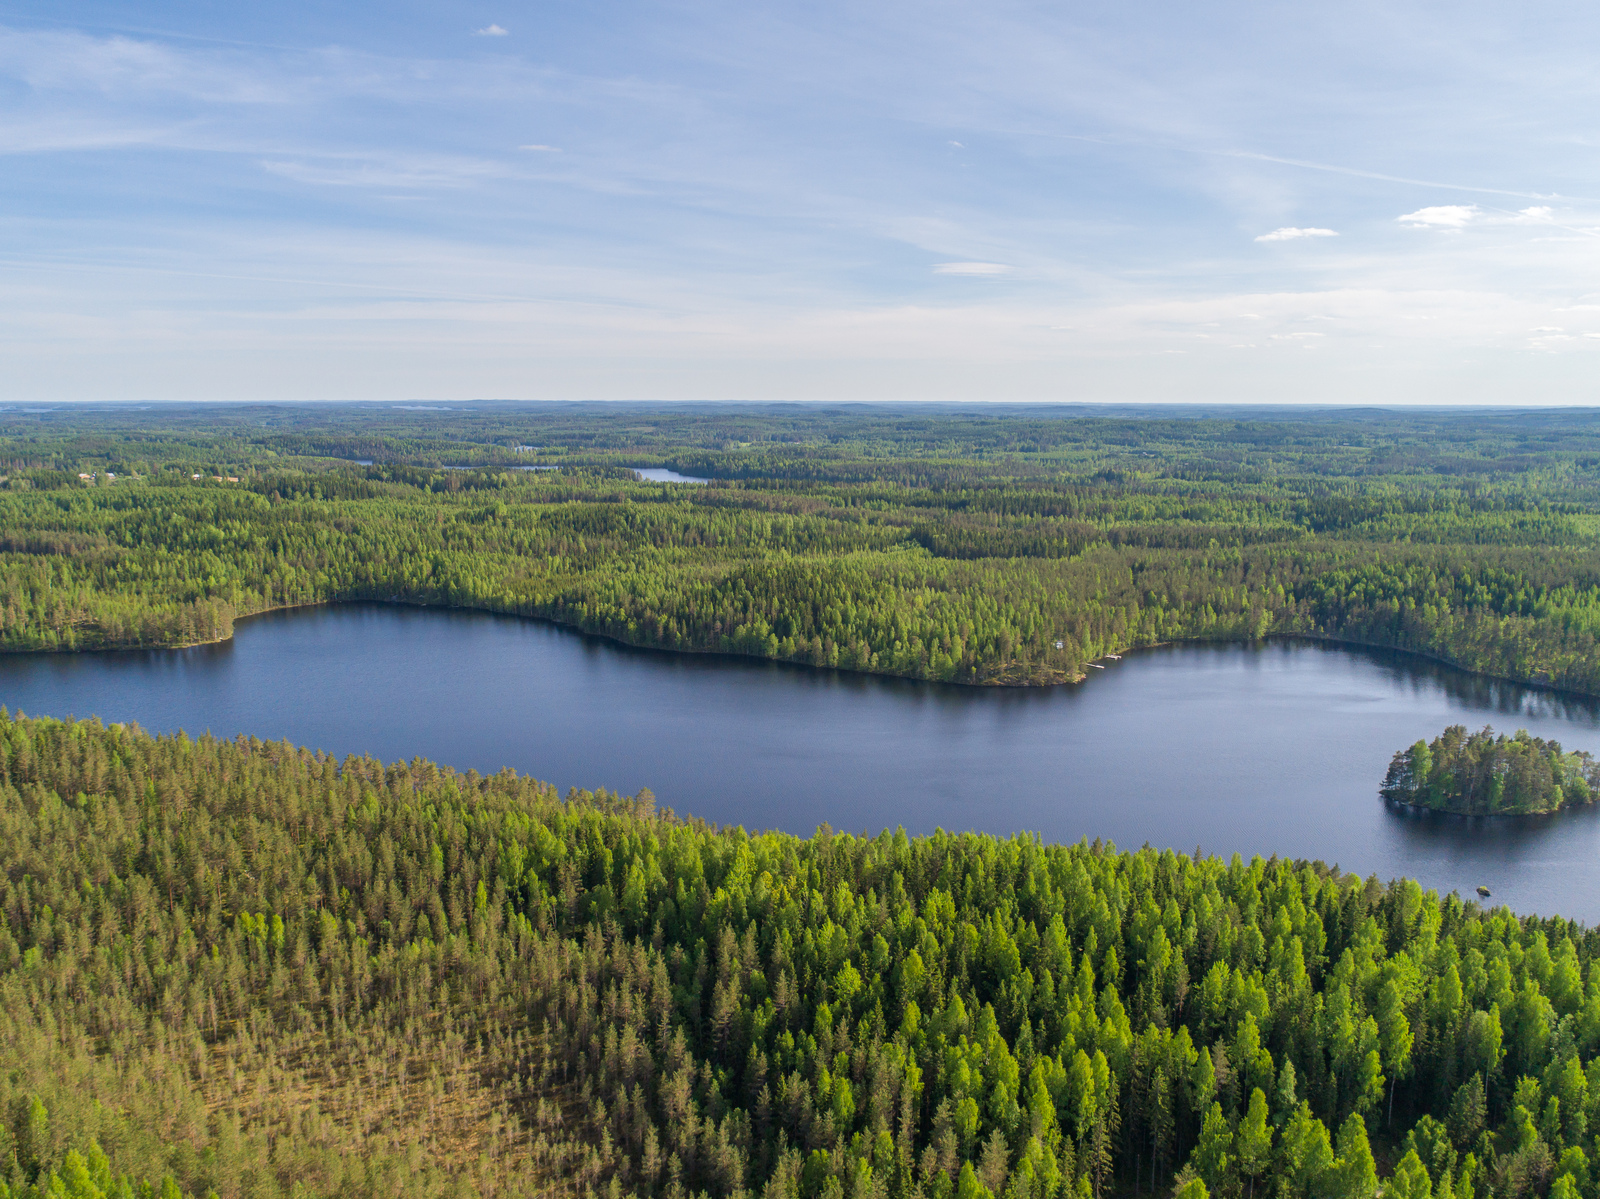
x=241 y=968
x=969 y=547
x=1481 y=774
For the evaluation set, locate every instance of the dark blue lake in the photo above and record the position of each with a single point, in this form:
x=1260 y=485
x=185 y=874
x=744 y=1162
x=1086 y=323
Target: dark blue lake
x=1270 y=749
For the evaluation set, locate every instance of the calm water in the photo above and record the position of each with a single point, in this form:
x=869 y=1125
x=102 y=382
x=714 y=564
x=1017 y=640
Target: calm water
x=660 y=474
x=1260 y=749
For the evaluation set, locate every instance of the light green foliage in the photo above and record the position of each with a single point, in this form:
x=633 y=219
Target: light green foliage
x=1567 y=1086
x=1410 y=1179
x=1574 y=1163
x=244 y=968
x=1253 y=1142
x=81 y=1176
x=1394 y=1030
x=1212 y=1158
x=1305 y=1156
x=946 y=546
x=1356 y=1172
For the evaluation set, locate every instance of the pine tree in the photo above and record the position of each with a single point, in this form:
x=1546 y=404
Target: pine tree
x=1253 y=1143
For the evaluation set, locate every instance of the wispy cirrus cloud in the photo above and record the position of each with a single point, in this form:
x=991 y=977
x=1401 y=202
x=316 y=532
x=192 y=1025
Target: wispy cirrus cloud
x=971 y=268
x=772 y=183
x=62 y=62
x=1291 y=233
x=387 y=172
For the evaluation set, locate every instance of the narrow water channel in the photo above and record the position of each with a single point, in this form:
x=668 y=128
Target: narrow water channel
x=1270 y=749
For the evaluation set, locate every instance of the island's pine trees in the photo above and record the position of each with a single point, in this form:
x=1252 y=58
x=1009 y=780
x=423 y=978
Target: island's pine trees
x=1481 y=774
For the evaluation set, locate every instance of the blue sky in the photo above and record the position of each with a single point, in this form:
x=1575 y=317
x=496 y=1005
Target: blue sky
x=1363 y=203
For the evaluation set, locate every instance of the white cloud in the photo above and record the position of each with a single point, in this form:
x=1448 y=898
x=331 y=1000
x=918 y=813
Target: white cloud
x=391 y=172
x=1290 y=233
x=489 y=31
x=971 y=268
x=127 y=69
x=1441 y=216
x=678 y=156
x=542 y=148
x=958 y=145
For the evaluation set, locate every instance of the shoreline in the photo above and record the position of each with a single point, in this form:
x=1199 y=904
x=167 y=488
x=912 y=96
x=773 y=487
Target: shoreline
x=1067 y=678
x=1417 y=809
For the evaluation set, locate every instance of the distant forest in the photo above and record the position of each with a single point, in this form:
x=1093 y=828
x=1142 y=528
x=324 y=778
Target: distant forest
x=1480 y=774
x=969 y=546
x=245 y=970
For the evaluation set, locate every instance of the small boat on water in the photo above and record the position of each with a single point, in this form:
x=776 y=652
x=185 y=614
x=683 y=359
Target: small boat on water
x=1096 y=665
x=1115 y=657
x=1483 y=891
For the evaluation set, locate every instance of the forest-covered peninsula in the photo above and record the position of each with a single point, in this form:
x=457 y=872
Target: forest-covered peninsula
x=1481 y=774
x=243 y=969
x=965 y=546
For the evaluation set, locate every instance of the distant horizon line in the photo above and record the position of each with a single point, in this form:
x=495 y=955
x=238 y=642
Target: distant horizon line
x=41 y=408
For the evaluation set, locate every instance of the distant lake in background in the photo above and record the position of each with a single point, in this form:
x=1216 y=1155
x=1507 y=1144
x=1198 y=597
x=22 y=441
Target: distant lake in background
x=660 y=474
x=1274 y=748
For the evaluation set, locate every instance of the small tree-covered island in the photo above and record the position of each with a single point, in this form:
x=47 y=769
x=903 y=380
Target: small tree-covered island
x=244 y=969
x=1481 y=774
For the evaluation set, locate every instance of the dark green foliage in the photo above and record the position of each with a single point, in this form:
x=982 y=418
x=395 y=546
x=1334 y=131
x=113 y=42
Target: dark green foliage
x=1480 y=774
x=253 y=970
x=952 y=546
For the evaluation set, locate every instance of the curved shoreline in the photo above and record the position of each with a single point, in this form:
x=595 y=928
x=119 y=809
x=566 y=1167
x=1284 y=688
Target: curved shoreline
x=1068 y=679
x=773 y=744
x=1416 y=809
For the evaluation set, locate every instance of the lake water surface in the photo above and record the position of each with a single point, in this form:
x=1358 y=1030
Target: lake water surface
x=1270 y=749
x=660 y=474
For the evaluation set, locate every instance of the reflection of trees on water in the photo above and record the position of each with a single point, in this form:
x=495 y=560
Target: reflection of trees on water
x=1488 y=844
x=1416 y=674
x=1267 y=746
x=1402 y=671
x=1420 y=675
x=1491 y=696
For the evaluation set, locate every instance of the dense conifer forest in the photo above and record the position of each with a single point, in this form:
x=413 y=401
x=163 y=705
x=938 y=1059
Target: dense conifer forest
x=237 y=968
x=1480 y=774
x=973 y=547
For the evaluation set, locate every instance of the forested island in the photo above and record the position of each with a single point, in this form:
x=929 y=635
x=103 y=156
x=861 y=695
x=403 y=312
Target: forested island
x=1481 y=774
x=966 y=546
x=240 y=968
